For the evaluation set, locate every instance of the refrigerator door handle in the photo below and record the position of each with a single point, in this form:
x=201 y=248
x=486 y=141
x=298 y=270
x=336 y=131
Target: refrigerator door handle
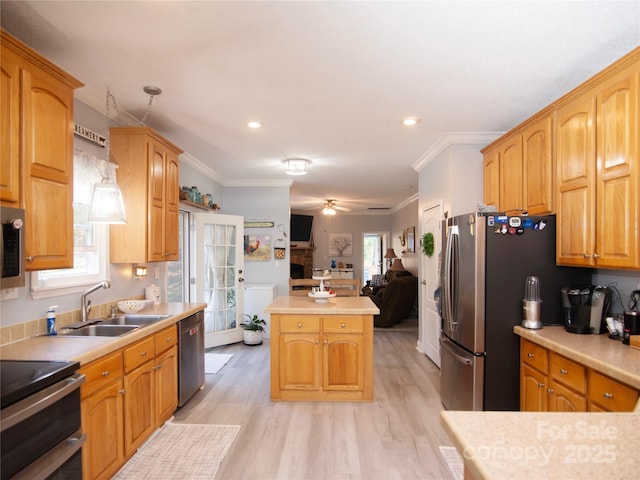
x=464 y=360
x=450 y=276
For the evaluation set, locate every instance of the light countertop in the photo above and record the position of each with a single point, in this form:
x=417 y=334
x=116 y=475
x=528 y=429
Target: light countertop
x=87 y=349
x=335 y=306
x=599 y=352
x=533 y=445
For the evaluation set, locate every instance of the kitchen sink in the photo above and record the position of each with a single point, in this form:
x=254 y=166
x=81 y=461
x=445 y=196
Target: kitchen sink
x=99 y=331
x=132 y=319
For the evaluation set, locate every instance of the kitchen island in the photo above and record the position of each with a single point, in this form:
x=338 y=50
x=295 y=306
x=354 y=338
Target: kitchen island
x=322 y=351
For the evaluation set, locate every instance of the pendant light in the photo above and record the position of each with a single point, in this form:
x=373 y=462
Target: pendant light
x=107 y=204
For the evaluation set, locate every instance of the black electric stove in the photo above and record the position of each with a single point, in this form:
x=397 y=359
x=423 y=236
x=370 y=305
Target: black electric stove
x=21 y=378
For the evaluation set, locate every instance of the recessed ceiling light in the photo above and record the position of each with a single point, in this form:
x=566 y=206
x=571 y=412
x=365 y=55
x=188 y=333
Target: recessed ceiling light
x=254 y=124
x=410 y=121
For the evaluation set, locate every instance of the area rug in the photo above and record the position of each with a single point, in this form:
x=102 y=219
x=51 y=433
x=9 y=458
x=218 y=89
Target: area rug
x=181 y=451
x=213 y=362
x=454 y=461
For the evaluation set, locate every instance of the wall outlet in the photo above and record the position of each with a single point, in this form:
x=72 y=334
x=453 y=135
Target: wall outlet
x=9 y=294
x=156 y=273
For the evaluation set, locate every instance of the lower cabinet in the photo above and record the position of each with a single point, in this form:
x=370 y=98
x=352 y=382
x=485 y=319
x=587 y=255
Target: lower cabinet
x=322 y=358
x=127 y=395
x=554 y=383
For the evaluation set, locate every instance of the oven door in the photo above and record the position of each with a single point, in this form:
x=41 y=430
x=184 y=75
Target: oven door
x=461 y=377
x=41 y=432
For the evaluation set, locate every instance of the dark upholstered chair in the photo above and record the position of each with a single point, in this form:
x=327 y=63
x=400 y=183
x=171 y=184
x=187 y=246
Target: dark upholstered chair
x=395 y=300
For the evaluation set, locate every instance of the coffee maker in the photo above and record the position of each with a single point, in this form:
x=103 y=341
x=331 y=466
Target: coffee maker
x=585 y=308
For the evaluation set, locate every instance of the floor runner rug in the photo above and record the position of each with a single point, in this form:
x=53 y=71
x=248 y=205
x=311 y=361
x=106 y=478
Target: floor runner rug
x=181 y=451
x=213 y=362
x=454 y=461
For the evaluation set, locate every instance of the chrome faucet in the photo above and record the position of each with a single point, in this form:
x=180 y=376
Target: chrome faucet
x=86 y=305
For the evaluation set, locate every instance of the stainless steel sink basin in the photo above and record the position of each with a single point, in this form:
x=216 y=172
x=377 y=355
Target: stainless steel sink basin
x=133 y=319
x=99 y=331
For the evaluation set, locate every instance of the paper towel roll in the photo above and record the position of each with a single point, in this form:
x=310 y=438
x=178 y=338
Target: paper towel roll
x=152 y=293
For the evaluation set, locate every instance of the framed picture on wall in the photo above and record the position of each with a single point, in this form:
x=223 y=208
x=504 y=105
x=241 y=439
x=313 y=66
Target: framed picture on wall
x=257 y=247
x=411 y=239
x=340 y=244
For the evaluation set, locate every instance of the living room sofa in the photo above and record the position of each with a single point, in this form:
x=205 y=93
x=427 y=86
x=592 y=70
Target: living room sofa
x=396 y=300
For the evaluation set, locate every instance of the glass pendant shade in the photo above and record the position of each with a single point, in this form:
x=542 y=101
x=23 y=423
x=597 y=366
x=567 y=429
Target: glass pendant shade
x=107 y=205
x=296 y=166
x=329 y=211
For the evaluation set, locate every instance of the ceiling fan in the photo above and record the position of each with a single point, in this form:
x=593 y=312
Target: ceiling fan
x=330 y=207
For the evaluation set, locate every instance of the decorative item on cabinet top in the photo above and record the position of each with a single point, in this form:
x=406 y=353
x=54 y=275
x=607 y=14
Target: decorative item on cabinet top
x=192 y=196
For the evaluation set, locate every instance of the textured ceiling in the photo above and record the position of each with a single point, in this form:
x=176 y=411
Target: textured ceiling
x=330 y=81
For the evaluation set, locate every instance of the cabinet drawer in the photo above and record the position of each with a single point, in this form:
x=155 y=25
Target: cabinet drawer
x=300 y=323
x=101 y=372
x=138 y=353
x=611 y=394
x=165 y=339
x=568 y=372
x=342 y=324
x=534 y=355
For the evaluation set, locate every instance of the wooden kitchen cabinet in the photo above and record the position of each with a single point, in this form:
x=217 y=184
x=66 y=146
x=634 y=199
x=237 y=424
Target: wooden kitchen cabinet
x=492 y=178
x=148 y=177
x=598 y=176
x=37 y=152
x=322 y=358
x=166 y=374
x=538 y=167
x=534 y=364
x=609 y=395
x=511 y=198
x=102 y=416
x=567 y=385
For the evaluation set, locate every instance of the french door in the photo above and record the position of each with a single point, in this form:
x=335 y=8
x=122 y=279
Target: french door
x=219 y=263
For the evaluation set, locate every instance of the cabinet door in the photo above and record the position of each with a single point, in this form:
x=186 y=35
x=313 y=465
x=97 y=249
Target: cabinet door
x=562 y=399
x=47 y=126
x=533 y=389
x=538 y=167
x=102 y=422
x=492 y=178
x=617 y=184
x=172 y=197
x=166 y=385
x=300 y=361
x=511 y=199
x=139 y=407
x=155 y=240
x=575 y=152
x=10 y=131
x=343 y=362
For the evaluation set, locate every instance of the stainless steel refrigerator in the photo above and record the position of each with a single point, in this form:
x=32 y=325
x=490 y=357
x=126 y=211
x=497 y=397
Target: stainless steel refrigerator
x=484 y=267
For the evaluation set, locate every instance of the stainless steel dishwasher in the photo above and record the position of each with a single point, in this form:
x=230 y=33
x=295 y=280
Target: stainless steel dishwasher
x=191 y=350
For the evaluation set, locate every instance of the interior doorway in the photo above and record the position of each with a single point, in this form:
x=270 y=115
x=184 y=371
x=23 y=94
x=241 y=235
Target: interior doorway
x=374 y=245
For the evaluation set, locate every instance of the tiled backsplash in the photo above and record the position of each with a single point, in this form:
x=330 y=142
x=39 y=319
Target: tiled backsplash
x=20 y=331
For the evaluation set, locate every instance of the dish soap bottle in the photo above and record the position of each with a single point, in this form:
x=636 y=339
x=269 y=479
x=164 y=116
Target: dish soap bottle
x=51 y=320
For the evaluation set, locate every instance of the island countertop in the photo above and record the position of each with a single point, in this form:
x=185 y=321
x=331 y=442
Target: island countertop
x=532 y=445
x=335 y=306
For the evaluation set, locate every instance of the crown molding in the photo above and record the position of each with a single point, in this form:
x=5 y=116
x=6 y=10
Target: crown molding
x=200 y=167
x=258 y=183
x=454 y=138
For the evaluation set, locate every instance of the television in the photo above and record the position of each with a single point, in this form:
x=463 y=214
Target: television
x=301 y=227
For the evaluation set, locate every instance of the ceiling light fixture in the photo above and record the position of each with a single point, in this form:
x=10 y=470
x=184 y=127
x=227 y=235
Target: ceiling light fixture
x=107 y=204
x=328 y=210
x=254 y=124
x=296 y=166
x=410 y=121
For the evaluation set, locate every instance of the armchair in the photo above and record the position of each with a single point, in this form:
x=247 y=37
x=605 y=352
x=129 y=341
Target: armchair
x=395 y=300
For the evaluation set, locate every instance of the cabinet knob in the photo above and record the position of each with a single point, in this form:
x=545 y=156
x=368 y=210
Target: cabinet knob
x=105 y=373
x=541 y=385
x=326 y=342
x=549 y=390
x=121 y=392
x=563 y=371
x=144 y=354
x=299 y=325
x=586 y=255
x=157 y=367
x=168 y=339
x=608 y=395
x=595 y=255
x=29 y=259
x=343 y=325
x=317 y=342
x=530 y=355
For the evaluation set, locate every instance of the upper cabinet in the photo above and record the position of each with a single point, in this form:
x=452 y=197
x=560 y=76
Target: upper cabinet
x=598 y=179
x=37 y=152
x=578 y=158
x=148 y=177
x=518 y=171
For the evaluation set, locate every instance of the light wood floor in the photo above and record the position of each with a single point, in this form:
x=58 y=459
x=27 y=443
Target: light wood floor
x=395 y=437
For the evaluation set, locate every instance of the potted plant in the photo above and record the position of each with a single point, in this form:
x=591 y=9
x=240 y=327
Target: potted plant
x=253 y=328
